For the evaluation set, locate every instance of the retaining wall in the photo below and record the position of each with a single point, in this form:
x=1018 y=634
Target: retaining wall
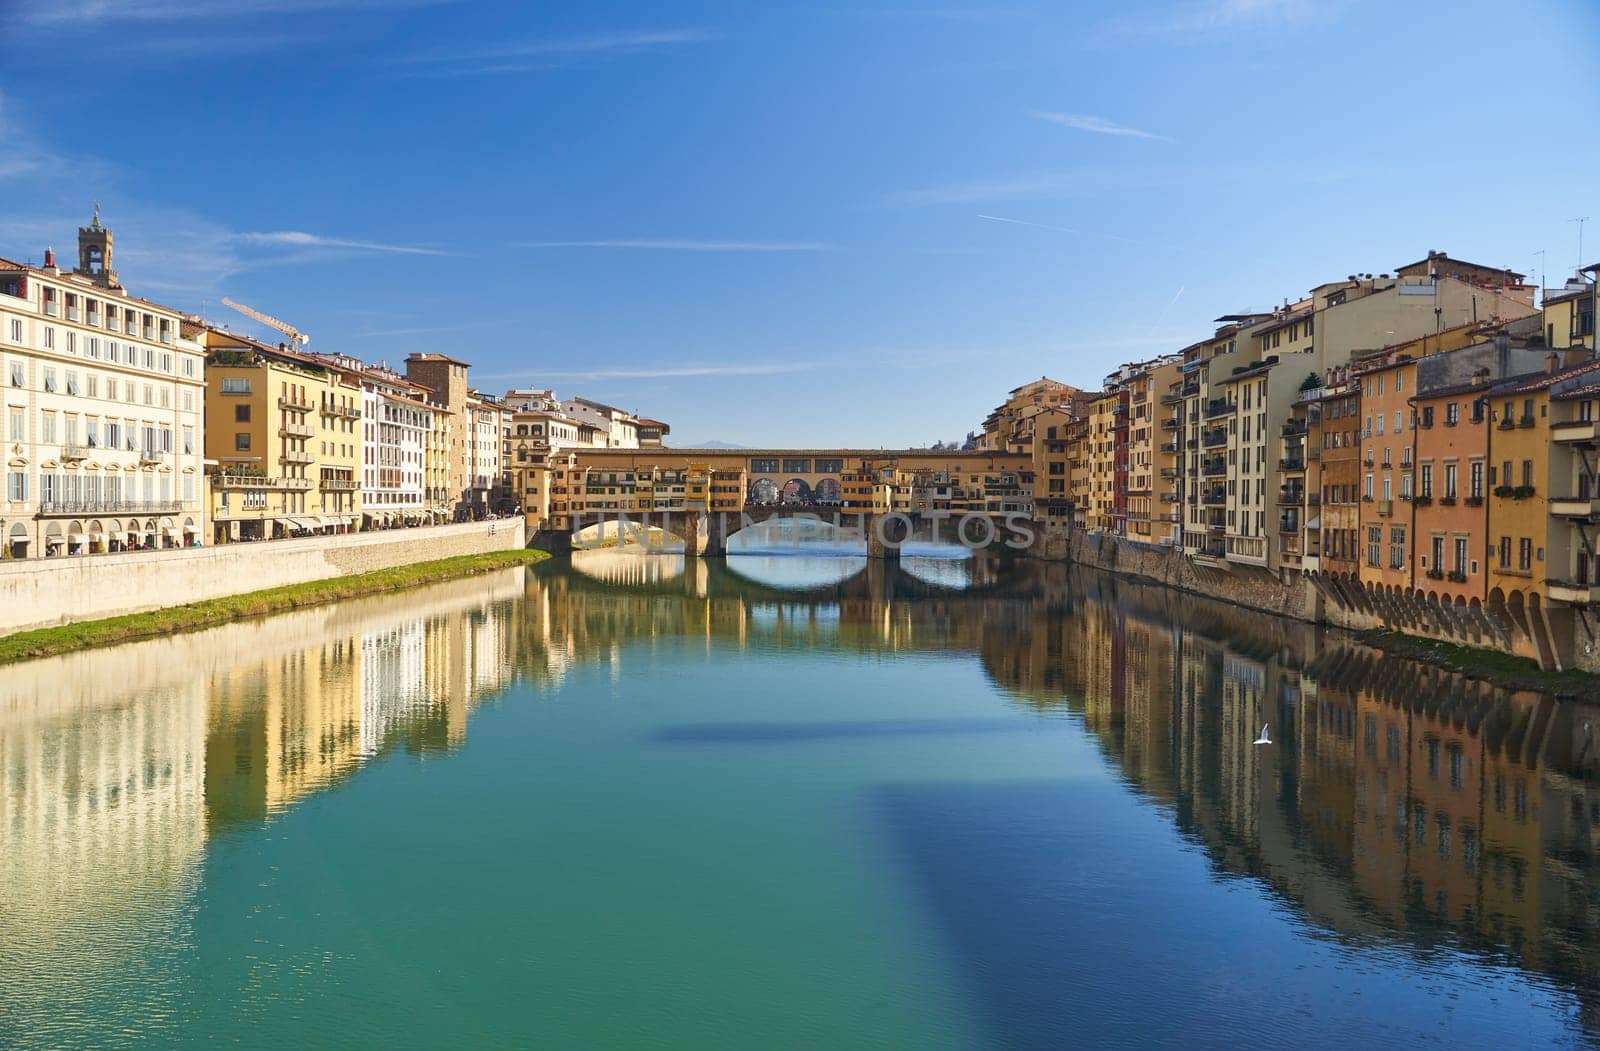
x=36 y=593
x=1553 y=637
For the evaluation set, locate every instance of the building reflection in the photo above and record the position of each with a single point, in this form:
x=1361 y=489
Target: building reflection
x=117 y=765
x=1401 y=804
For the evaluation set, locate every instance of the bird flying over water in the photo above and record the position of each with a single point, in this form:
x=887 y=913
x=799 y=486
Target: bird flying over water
x=1266 y=737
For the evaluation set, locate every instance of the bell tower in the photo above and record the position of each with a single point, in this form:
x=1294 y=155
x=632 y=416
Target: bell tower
x=94 y=253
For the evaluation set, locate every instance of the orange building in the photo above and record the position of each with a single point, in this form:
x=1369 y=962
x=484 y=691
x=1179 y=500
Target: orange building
x=1452 y=519
x=1385 y=531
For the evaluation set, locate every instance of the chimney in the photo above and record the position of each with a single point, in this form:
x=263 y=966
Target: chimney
x=1552 y=362
x=49 y=258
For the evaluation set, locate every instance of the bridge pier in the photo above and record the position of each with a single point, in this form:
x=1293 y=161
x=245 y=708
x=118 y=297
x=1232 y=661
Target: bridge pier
x=716 y=535
x=891 y=528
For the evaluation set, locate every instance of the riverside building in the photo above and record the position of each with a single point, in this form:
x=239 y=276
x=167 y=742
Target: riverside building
x=103 y=403
x=283 y=430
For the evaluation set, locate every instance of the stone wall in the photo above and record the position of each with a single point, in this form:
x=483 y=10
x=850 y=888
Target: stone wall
x=37 y=593
x=1552 y=637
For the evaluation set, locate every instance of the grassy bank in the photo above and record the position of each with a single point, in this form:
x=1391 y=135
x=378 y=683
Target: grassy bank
x=1501 y=669
x=47 y=642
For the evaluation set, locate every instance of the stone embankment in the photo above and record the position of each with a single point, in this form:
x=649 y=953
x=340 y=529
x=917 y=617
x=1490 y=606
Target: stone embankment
x=1554 y=637
x=40 y=593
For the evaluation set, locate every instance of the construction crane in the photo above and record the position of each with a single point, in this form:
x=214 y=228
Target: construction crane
x=297 y=339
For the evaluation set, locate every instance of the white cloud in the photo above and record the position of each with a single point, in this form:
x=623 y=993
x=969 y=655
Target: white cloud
x=678 y=372
x=676 y=245
x=301 y=239
x=1205 y=16
x=984 y=190
x=550 y=53
x=80 y=13
x=1097 y=125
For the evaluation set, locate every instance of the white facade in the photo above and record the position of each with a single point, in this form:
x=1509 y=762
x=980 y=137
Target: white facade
x=395 y=425
x=103 y=401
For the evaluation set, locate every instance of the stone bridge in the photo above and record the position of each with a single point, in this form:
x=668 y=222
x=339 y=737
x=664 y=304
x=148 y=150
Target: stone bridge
x=705 y=534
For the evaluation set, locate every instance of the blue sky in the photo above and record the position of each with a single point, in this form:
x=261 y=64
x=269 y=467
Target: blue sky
x=785 y=225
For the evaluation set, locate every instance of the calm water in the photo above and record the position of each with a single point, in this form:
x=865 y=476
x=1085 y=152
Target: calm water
x=788 y=801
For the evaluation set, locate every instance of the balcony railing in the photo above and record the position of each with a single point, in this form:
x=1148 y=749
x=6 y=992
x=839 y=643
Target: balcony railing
x=297 y=430
x=1216 y=437
x=1292 y=463
x=1220 y=407
x=294 y=404
x=110 y=507
x=340 y=484
x=74 y=451
x=296 y=456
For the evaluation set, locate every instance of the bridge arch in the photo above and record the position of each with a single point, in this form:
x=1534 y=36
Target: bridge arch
x=827 y=491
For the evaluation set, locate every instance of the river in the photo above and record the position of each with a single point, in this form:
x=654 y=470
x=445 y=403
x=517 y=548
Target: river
x=789 y=800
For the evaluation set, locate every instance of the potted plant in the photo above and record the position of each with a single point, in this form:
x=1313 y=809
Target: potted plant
x=1522 y=492
x=1502 y=491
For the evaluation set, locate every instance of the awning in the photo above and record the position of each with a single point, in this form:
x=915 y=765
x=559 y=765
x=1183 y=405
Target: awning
x=1315 y=523
x=168 y=531
x=78 y=538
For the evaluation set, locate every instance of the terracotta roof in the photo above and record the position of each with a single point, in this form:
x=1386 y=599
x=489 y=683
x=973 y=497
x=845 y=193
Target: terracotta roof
x=437 y=357
x=1588 y=390
x=1545 y=380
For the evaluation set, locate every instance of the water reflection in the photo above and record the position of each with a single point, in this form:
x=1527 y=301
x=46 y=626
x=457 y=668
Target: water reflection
x=1403 y=806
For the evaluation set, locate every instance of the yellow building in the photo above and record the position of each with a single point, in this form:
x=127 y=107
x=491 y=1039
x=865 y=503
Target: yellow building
x=1152 y=449
x=1569 y=315
x=1052 y=475
x=1010 y=427
x=1107 y=416
x=1536 y=492
x=284 y=432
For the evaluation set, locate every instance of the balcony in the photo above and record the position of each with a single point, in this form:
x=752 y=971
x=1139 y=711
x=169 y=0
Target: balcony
x=294 y=405
x=1215 y=437
x=343 y=485
x=1219 y=407
x=1294 y=428
x=225 y=480
x=1169 y=472
x=1168 y=447
x=1170 y=423
x=1214 y=495
x=1386 y=508
x=1169 y=498
x=1574 y=507
x=1214 y=467
x=297 y=430
x=295 y=456
x=1573 y=592
x=149 y=457
x=1173 y=398
x=1292 y=497
x=1292 y=464
x=74 y=452
x=110 y=507
x=1577 y=432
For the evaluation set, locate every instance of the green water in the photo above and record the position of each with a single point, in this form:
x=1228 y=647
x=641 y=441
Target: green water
x=788 y=801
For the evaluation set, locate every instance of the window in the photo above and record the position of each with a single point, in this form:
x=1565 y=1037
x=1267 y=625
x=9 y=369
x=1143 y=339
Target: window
x=1527 y=473
x=17 y=486
x=1397 y=547
x=241 y=441
x=19 y=374
x=1525 y=555
x=1374 y=543
x=1452 y=414
x=16 y=330
x=17 y=426
x=236 y=385
x=1450 y=480
x=1461 y=555
x=1475 y=477
x=1427 y=416
x=49 y=380
x=1505 y=552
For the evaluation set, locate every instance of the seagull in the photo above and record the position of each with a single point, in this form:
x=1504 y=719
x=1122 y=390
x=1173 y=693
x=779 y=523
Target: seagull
x=1265 y=737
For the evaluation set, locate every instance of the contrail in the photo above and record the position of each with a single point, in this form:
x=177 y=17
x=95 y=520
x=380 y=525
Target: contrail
x=1057 y=229
x=1175 y=297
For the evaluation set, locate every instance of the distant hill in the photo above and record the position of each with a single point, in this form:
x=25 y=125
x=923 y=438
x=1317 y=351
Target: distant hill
x=713 y=444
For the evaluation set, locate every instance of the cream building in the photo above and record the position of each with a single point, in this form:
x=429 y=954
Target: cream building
x=103 y=404
x=398 y=424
